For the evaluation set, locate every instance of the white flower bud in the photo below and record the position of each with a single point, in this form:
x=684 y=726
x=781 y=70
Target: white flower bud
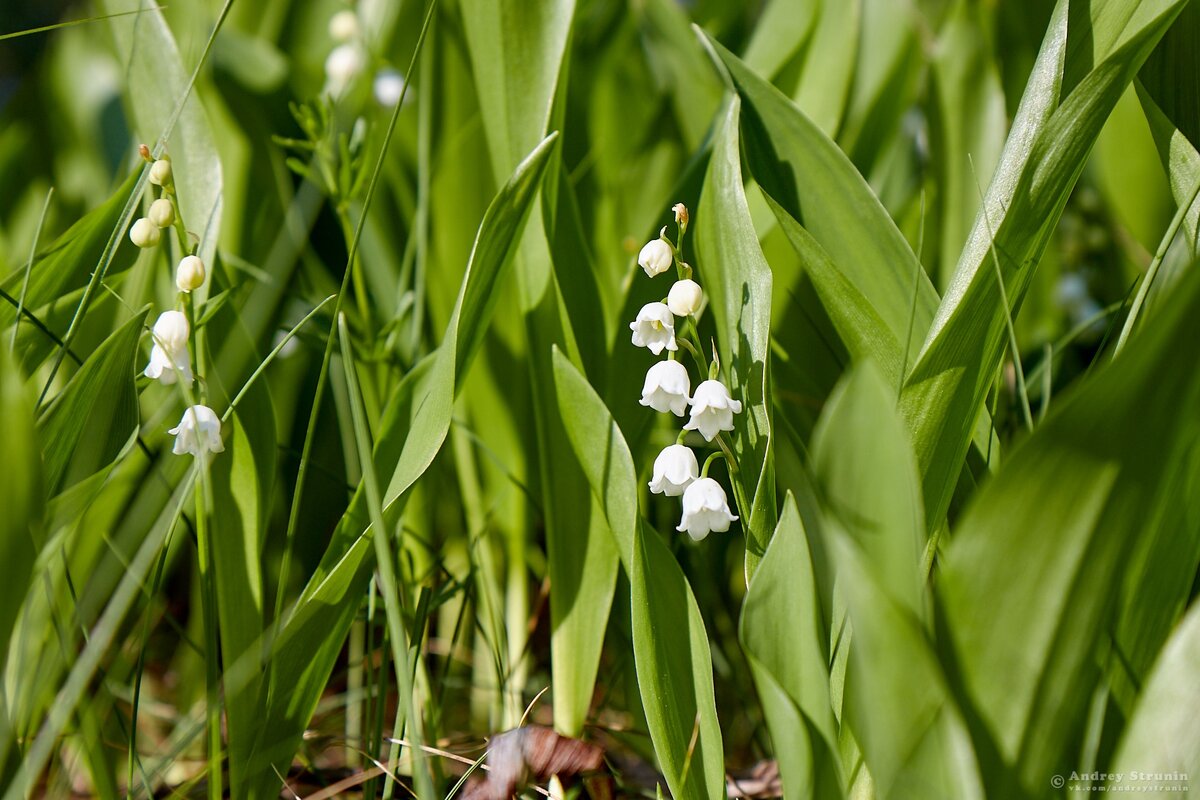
x=144 y=233
x=344 y=63
x=656 y=256
x=674 y=469
x=681 y=213
x=343 y=26
x=666 y=388
x=654 y=328
x=705 y=509
x=161 y=173
x=685 y=298
x=169 y=360
x=712 y=410
x=189 y=275
x=199 y=432
x=162 y=213
x=388 y=87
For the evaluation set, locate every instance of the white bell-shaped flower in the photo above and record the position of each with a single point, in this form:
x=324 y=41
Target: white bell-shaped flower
x=666 y=388
x=712 y=410
x=199 y=432
x=685 y=297
x=654 y=328
x=674 y=470
x=342 y=66
x=388 y=87
x=705 y=509
x=656 y=256
x=161 y=173
x=169 y=359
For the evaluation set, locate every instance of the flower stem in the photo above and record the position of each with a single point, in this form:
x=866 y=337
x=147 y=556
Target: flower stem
x=212 y=672
x=708 y=462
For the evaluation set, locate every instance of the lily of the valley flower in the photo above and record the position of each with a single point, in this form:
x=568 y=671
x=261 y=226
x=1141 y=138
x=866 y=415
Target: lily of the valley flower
x=654 y=328
x=162 y=213
x=343 y=26
x=343 y=64
x=199 y=432
x=666 y=389
x=674 y=470
x=657 y=255
x=144 y=233
x=685 y=297
x=705 y=509
x=161 y=173
x=169 y=359
x=189 y=275
x=712 y=410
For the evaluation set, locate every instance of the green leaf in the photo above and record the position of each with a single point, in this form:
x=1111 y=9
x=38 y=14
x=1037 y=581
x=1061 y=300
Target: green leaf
x=65 y=266
x=1169 y=89
x=1044 y=155
x=913 y=737
x=241 y=480
x=786 y=640
x=867 y=480
x=674 y=670
x=411 y=433
x=1029 y=582
x=21 y=498
x=1163 y=736
x=805 y=173
x=971 y=121
x=95 y=415
x=737 y=278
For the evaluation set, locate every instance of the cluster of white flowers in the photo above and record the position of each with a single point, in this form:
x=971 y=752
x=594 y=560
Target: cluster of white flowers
x=199 y=431
x=668 y=389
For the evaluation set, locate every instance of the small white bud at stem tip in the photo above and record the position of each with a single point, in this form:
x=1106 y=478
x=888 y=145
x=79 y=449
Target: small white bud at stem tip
x=162 y=213
x=160 y=172
x=189 y=275
x=144 y=233
x=681 y=213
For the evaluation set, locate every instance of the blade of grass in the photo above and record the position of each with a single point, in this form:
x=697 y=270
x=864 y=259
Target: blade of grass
x=385 y=561
x=37 y=233
x=73 y=22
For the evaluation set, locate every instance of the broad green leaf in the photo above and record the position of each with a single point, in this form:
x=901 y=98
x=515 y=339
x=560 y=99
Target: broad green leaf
x=737 y=278
x=674 y=669
x=65 y=266
x=1163 y=736
x=1028 y=586
x=1070 y=94
x=602 y=452
x=95 y=415
x=866 y=477
x=786 y=640
x=783 y=28
x=21 y=498
x=241 y=479
x=898 y=703
x=828 y=62
x=410 y=435
x=1170 y=93
x=971 y=120
x=155 y=81
x=805 y=173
